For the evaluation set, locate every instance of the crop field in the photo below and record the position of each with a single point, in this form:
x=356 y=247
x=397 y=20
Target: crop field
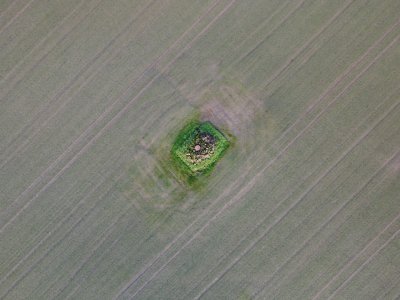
x=305 y=202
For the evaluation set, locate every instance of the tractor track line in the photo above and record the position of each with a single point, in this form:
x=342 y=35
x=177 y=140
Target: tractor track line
x=54 y=229
x=340 y=78
x=105 y=127
x=370 y=258
x=69 y=232
x=254 y=179
x=307 y=44
x=42 y=41
x=18 y=79
x=294 y=10
x=258 y=225
x=64 y=90
x=294 y=204
x=352 y=260
x=16 y=16
x=341 y=207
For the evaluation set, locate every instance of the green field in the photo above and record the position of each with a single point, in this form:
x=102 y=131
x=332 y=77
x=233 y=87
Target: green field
x=304 y=204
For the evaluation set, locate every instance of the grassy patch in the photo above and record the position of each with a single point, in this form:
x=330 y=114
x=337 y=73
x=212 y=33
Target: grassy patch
x=198 y=147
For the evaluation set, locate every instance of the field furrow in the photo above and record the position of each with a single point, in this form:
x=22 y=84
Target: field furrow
x=305 y=202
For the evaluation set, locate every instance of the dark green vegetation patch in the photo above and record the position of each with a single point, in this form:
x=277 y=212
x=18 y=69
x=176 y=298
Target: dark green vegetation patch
x=198 y=147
